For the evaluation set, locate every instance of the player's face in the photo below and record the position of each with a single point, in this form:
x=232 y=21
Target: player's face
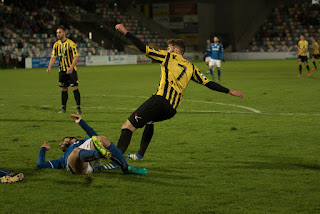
x=216 y=39
x=302 y=37
x=170 y=48
x=208 y=42
x=60 y=34
x=66 y=142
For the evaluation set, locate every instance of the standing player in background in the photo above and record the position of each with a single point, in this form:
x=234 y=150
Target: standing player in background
x=176 y=72
x=302 y=54
x=315 y=53
x=217 y=55
x=207 y=54
x=66 y=50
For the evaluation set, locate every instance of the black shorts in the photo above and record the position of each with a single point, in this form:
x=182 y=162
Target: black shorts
x=303 y=58
x=66 y=80
x=155 y=109
x=316 y=56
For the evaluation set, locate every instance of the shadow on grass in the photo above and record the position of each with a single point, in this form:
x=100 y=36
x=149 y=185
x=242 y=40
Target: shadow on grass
x=275 y=166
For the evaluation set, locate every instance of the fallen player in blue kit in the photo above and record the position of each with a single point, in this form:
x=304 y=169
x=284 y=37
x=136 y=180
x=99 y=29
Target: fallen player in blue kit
x=83 y=156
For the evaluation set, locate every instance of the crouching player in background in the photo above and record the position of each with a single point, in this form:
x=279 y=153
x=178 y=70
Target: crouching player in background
x=83 y=156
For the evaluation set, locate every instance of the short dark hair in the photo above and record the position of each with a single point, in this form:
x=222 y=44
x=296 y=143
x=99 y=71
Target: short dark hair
x=68 y=139
x=302 y=35
x=178 y=43
x=62 y=28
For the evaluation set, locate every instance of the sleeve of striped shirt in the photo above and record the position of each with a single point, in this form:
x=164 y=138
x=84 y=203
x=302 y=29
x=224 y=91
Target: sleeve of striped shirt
x=198 y=77
x=54 y=51
x=42 y=163
x=74 y=49
x=155 y=54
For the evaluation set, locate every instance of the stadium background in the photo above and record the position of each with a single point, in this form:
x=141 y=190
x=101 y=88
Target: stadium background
x=219 y=154
x=28 y=27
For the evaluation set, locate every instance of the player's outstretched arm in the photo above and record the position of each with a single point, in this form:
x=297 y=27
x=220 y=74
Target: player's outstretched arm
x=41 y=161
x=217 y=87
x=46 y=145
x=236 y=93
x=137 y=42
x=76 y=118
x=83 y=125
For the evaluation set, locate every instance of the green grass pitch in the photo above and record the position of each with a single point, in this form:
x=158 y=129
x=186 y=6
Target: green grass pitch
x=219 y=154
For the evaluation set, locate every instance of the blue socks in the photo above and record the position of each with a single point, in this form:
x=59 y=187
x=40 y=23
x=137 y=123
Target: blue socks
x=88 y=155
x=4 y=172
x=211 y=72
x=219 y=73
x=118 y=157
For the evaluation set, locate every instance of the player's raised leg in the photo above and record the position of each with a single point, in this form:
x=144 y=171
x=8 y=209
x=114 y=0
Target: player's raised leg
x=106 y=147
x=78 y=160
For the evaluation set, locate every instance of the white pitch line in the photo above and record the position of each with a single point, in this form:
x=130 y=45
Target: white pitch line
x=194 y=101
x=190 y=111
x=226 y=104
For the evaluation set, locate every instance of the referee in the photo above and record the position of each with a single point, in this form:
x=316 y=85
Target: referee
x=66 y=50
x=176 y=72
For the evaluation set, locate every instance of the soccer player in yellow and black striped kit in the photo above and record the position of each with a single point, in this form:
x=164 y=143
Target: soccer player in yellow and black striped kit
x=66 y=50
x=302 y=54
x=315 y=53
x=176 y=72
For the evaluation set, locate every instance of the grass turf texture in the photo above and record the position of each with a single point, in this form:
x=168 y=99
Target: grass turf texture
x=210 y=158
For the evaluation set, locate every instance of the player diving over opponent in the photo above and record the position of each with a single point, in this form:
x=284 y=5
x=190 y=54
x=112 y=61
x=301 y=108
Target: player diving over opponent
x=83 y=156
x=176 y=72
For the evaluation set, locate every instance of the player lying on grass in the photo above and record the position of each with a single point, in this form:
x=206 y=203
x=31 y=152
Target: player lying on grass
x=83 y=156
x=176 y=72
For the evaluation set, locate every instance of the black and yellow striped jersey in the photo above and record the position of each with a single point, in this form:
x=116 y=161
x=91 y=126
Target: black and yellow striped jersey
x=66 y=51
x=315 y=48
x=176 y=73
x=302 y=48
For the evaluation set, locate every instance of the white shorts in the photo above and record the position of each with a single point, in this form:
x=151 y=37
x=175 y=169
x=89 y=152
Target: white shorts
x=208 y=59
x=92 y=164
x=215 y=62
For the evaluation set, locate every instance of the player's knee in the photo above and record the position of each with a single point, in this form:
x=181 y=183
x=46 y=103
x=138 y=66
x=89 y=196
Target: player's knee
x=128 y=125
x=64 y=89
x=105 y=141
x=74 y=88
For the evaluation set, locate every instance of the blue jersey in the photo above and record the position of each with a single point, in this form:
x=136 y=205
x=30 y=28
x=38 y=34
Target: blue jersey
x=208 y=51
x=61 y=163
x=217 y=51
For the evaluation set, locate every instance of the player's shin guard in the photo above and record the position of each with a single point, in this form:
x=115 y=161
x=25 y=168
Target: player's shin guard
x=219 y=74
x=88 y=155
x=124 y=140
x=64 y=98
x=307 y=66
x=76 y=94
x=146 y=138
x=211 y=72
x=118 y=157
x=300 y=68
